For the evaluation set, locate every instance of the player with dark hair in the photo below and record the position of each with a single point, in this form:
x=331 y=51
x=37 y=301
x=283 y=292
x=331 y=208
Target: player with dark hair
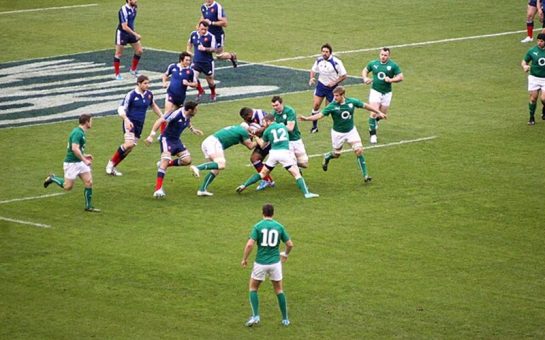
x=125 y=34
x=213 y=14
x=534 y=64
x=132 y=111
x=202 y=44
x=267 y=234
x=77 y=163
x=176 y=79
x=331 y=74
x=170 y=142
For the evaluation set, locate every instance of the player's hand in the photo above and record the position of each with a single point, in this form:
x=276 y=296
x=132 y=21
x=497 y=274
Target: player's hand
x=283 y=257
x=367 y=81
x=128 y=124
x=244 y=263
x=388 y=79
x=311 y=82
x=201 y=47
x=303 y=118
x=138 y=36
x=185 y=82
x=165 y=84
x=526 y=68
x=87 y=160
x=148 y=140
x=381 y=115
x=197 y=132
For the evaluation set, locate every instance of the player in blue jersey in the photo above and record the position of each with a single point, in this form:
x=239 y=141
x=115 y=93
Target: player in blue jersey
x=213 y=14
x=171 y=145
x=331 y=73
x=256 y=125
x=202 y=44
x=132 y=111
x=176 y=79
x=125 y=34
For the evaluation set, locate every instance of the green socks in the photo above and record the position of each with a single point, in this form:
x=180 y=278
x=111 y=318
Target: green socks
x=208 y=166
x=372 y=126
x=254 y=303
x=363 y=167
x=88 y=193
x=252 y=180
x=58 y=180
x=532 y=108
x=302 y=185
x=207 y=180
x=283 y=305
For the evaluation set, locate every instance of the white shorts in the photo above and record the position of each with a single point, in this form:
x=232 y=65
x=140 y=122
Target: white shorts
x=284 y=157
x=351 y=137
x=211 y=147
x=383 y=99
x=261 y=271
x=536 y=83
x=298 y=149
x=72 y=170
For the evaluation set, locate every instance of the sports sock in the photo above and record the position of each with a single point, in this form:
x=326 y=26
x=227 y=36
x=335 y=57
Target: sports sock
x=532 y=107
x=175 y=162
x=135 y=60
x=254 y=303
x=530 y=28
x=315 y=123
x=212 y=89
x=283 y=304
x=117 y=65
x=252 y=180
x=119 y=155
x=372 y=126
x=362 y=165
x=206 y=182
x=328 y=156
x=159 y=180
x=199 y=87
x=58 y=180
x=302 y=185
x=208 y=166
x=88 y=194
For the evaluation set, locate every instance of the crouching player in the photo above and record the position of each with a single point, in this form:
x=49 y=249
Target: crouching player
x=171 y=144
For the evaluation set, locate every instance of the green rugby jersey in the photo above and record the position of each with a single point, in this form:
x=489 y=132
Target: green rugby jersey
x=232 y=135
x=288 y=115
x=268 y=234
x=536 y=57
x=380 y=71
x=343 y=114
x=77 y=136
x=277 y=134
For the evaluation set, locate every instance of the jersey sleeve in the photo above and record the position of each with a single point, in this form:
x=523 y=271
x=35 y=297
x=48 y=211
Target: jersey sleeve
x=168 y=72
x=315 y=68
x=396 y=69
x=76 y=138
x=221 y=12
x=340 y=67
x=358 y=103
x=254 y=234
x=328 y=109
x=527 y=57
x=290 y=115
x=126 y=102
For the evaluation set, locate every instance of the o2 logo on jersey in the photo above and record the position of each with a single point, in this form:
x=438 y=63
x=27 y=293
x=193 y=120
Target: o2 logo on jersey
x=381 y=75
x=346 y=115
x=62 y=88
x=541 y=61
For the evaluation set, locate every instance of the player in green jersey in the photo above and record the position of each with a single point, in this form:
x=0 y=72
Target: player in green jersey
x=385 y=72
x=277 y=135
x=342 y=111
x=77 y=163
x=286 y=115
x=213 y=149
x=534 y=63
x=267 y=234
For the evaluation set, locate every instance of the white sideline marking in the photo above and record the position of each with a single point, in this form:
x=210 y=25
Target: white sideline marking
x=376 y=146
x=31 y=198
x=40 y=225
x=46 y=9
x=422 y=43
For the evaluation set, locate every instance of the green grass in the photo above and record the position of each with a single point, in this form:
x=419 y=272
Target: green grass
x=447 y=242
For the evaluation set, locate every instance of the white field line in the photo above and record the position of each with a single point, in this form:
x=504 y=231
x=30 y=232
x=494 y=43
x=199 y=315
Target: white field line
x=40 y=225
x=422 y=43
x=46 y=9
x=31 y=198
x=376 y=146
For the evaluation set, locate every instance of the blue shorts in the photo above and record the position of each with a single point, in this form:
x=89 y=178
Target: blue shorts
x=324 y=92
x=136 y=128
x=532 y=3
x=174 y=146
x=204 y=67
x=220 y=39
x=176 y=100
x=124 y=38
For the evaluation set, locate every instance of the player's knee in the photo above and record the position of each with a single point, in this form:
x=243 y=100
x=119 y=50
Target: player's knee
x=221 y=163
x=302 y=161
x=358 y=151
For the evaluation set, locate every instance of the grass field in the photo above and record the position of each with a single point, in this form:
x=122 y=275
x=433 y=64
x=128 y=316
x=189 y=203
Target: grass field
x=447 y=241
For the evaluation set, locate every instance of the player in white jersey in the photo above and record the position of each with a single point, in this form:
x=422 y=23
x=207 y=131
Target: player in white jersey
x=331 y=73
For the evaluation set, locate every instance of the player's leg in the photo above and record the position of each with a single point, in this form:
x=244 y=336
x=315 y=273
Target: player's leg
x=138 y=50
x=87 y=179
x=353 y=138
x=257 y=157
x=51 y=178
x=200 y=91
x=542 y=97
x=254 y=300
x=221 y=54
x=337 y=141
x=282 y=302
x=211 y=86
x=265 y=171
x=533 y=90
x=300 y=153
x=131 y=138
x=530 y=15
x=316 y=103
x=119 y=47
